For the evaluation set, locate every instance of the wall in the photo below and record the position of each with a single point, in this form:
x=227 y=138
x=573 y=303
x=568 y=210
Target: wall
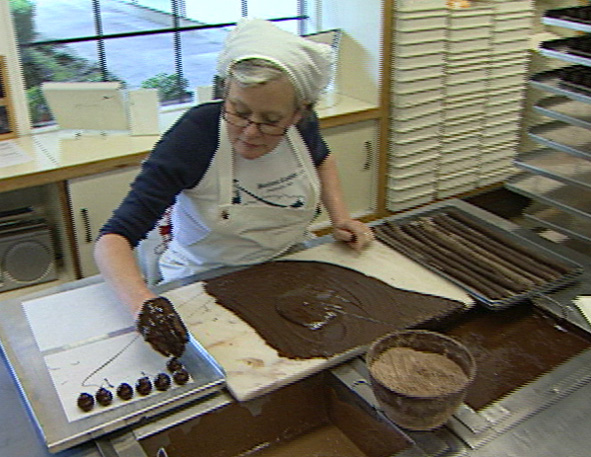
x=361 y=21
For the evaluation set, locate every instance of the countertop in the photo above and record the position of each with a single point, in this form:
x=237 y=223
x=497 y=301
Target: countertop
x=61 y=155
x=559 y=429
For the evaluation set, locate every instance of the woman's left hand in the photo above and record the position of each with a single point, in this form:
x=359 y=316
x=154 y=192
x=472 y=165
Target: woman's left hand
x=355 y=233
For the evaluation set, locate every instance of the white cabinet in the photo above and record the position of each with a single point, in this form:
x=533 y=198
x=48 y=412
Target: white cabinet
x=93 y=199
x=355 y=147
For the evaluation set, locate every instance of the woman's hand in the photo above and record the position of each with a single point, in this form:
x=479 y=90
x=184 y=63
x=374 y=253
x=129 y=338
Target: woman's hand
x=355 y=233
x=162 y=327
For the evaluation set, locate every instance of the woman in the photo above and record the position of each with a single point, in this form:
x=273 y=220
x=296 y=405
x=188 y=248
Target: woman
x=245 y=177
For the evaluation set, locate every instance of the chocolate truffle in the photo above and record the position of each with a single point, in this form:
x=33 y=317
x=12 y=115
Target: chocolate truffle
x=103 y=396
x=124 y=391
x=143 y=386
x=180 y=376
x=174 y=365
x=162 y=381
x=85 y=402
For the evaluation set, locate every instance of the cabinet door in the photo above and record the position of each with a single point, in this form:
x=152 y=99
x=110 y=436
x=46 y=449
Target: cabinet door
x=92 y=200
x=355 y=147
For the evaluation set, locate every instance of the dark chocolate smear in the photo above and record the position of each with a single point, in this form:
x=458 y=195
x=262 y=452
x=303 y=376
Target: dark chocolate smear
x=291 y=305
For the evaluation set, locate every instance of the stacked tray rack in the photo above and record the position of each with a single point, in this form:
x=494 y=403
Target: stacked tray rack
x=557 y=175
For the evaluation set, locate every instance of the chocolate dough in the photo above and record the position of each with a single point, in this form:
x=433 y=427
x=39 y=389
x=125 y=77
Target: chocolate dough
x=256 y=294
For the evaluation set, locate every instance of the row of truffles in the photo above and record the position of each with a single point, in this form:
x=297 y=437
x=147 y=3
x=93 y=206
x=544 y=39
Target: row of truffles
x=143 y=387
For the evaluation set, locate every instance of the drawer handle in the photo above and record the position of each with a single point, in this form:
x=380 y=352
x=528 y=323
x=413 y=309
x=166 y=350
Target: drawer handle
x=368 y=155
x=86 y=223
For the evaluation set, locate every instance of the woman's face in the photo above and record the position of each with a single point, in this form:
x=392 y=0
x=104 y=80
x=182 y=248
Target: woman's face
x=270 y=103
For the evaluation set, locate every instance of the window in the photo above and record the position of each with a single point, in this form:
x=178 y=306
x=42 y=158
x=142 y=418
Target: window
x=171 y=45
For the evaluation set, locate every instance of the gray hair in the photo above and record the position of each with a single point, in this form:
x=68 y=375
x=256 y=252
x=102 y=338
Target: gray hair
x=256 y=71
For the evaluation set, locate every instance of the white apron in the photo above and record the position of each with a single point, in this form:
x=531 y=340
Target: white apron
x=218 y=233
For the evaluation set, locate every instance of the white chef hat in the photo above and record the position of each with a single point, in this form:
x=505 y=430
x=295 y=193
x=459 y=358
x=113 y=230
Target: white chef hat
x=308 y=64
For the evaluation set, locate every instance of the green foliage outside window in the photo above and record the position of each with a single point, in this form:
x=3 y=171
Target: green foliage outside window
x=170 y=87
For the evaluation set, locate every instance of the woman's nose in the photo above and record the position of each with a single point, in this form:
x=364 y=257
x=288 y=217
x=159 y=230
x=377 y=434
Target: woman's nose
x=252 y=130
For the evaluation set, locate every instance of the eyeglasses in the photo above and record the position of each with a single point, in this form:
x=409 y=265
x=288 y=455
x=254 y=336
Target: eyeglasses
x=243 y=122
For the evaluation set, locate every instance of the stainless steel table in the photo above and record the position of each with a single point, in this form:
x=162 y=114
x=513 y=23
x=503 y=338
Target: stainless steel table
x=559 y=428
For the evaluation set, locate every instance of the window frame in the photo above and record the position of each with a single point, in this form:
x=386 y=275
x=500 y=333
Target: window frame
x=18 y=91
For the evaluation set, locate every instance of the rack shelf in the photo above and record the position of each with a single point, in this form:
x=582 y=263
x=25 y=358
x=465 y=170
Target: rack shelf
x=557 y=165
x=558 y=175
x=568 y=224
x=565 y=109
x=549 y=81
x=553 y=193
x=563 y=137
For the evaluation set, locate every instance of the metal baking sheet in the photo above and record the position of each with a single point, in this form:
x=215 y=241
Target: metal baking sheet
x=566 y=110
x=575 y=270
x=563 y=137
x=61 y=430
x=559 y=49
x=557 y=165
x=561 y=222
x=567 y=24
x=553 y=193
x=550 y=81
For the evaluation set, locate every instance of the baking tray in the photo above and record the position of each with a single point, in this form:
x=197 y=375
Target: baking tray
x=34 y=380
x=551 y=81
x=559 y=49
x=571 y=270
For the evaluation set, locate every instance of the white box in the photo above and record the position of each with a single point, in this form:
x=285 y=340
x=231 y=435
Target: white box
x=510 y=35
x=468 y=33
x=419 y=5
x=406 y=125
x=395 y=204
x=418 y=49
x=420 y=36
x=420 y=148
x=419 y=85
x=469 y=107
x=460 y=143
x=461 y=46
x=144 y=111
x=426 y=20
x=501 y=82
x=460 y=154
x=413 y=74
x=505 y=47
x=467 y=75
x=512 y=23
x=410 y=62
x=412 y=112
x=414 y=135
x=417 y=180
x=414 y=164
x=471 y=88
x=417 y=98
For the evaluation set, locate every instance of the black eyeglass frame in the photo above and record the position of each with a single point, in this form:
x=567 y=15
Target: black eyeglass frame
x=249 y=122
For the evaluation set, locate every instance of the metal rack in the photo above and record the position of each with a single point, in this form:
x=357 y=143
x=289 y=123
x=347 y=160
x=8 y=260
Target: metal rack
x=556 y=176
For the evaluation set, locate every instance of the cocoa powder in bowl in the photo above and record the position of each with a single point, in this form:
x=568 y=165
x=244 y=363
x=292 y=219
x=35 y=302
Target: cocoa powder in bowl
x=417 y=373
x=419 y=377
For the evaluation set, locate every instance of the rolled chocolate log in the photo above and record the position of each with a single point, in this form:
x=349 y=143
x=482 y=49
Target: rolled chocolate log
x=480 y=244
x=392 y=236
x=479 y=256
x=461 y=259
x=553 y=266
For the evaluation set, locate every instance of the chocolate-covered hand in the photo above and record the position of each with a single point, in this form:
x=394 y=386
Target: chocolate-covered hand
x=162 y=327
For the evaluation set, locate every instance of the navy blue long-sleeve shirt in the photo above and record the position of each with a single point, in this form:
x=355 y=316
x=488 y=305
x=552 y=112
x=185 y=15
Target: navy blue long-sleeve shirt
x=178 y=161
